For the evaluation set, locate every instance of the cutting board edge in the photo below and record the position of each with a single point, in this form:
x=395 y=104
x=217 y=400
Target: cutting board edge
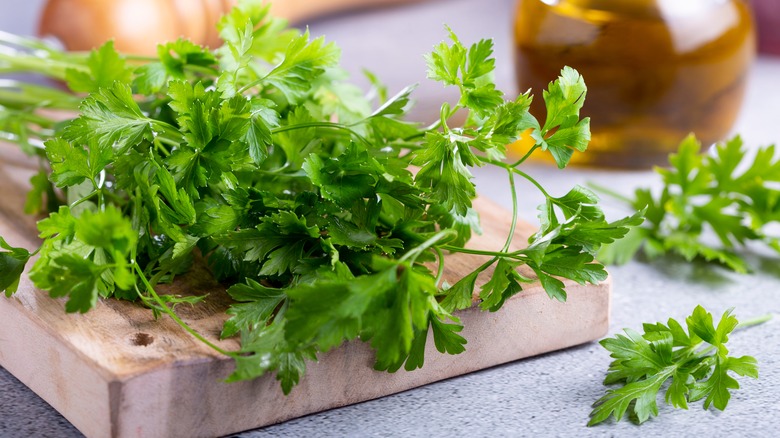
x=194 y=412
x=56 y=381
x=312 y=395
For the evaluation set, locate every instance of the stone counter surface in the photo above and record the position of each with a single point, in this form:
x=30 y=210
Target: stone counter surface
x=548 y=395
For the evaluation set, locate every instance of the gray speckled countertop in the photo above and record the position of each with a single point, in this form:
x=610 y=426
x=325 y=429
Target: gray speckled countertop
x=549 y=395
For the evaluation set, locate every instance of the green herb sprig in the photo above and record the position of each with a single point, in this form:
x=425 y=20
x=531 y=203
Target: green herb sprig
x=293 y=188
x=696 y=363
x=730 y=194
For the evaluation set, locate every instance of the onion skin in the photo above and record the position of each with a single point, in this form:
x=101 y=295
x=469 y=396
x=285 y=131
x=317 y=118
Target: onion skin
x=138 y=26
x=214 y=10
x=193 y=19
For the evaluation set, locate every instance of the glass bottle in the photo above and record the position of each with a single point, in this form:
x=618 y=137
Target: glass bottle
x=656 y=70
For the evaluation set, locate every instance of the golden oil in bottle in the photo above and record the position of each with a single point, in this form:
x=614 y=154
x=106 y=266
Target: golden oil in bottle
x=656 y=70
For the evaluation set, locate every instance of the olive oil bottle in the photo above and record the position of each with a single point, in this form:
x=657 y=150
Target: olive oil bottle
x=656 y=70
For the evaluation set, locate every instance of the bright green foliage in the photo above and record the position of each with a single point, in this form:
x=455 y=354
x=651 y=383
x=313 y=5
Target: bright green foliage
x=563 y=100
x=303 y=62
x=105 y=66
x=41 y=196
x=258 y=304
x=12 y=264
x=697 y=362
x=710 y=205
x=504 y=283
x=175 y=58
x=444 y=172
x=567 y=242
x=297 y=192
x=71 y=164
x=85 y=257
x=469 y=69
x=111 y=118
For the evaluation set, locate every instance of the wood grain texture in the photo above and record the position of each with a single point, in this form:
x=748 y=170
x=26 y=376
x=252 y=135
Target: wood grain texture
x=116 y=371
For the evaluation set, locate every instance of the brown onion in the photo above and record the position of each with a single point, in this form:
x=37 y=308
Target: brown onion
x=137 y=26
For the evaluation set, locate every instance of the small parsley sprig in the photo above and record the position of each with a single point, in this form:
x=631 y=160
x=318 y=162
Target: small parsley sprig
x=696 y=363
x=726 y=194
x=297 y=191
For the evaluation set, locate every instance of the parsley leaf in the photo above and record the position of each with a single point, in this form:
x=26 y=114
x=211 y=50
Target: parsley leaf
x=697 y=362
x=12 y=264
x=445 y=174
x=563 y=131
x=303 y=62
x=257 y=308
x=111 y=118
x=105 y=66
x=71 y=164
x=85 y=257
x=723 y=196
x=176 y=58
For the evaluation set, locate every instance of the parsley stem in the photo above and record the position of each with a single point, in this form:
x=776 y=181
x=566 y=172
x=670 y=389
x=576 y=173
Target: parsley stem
x=485 y=265
x=22 y=62
x=254 y=83
x=10 y=39
x=532 y=181
x=525 y=157
x=512 y=227
x=158 y=145
x=611 y=193
x=519 y=172
x=167 y=133
x=320 y=125
x=164 y=307
x=14 y=95
x=131 y=57
x=755 y=321
x=474 y=251
x=414 y=253
x=207 y=71
x=84 y=198
x=440 y=271
x=435 y=125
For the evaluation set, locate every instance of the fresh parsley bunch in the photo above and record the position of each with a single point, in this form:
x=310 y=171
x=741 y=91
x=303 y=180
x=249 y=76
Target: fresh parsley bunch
x=294 y=189
x=696 y=363
x=730 y=193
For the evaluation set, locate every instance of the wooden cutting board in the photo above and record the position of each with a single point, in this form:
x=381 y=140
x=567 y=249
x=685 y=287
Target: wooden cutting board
x=117 y=372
